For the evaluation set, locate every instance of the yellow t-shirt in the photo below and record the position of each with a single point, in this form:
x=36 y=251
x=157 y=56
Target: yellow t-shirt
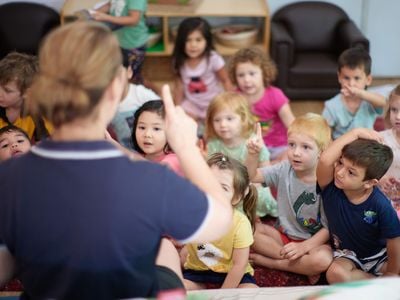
x=217 y=256
x=27 y=124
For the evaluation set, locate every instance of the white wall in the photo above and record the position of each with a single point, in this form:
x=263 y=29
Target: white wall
x=378 y=20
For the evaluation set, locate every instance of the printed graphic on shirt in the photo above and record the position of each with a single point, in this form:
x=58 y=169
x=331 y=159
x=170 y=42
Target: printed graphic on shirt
x=209 y=254
x=304 y=200
x=197 y=85
x=370 y=217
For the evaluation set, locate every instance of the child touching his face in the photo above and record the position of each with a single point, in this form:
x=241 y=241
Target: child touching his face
x=354 y=107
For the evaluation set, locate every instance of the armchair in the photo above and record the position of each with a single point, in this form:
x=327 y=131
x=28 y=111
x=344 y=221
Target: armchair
x=306 y=40
x=23 y=25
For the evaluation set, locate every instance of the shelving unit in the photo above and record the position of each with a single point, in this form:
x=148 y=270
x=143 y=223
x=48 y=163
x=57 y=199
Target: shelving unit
x=211 y=8
x=200 y=8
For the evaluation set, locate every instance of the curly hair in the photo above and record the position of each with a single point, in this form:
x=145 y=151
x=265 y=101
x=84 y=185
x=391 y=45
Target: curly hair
x=256 y=56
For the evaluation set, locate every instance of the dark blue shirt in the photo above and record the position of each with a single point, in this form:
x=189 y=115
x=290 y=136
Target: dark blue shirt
x=84 y=222
x=362 y=228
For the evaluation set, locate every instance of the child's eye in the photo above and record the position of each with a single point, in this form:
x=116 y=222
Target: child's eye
x=157 y=128
x=291 y=145
x=351 y=173
x=141 y=127
x=4 y=146
x=20 y=141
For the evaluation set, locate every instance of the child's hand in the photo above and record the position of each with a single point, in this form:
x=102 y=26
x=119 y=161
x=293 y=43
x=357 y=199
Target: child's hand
x=293 y=250
x=99 y=16
x=369 y=134
x=349 y=91
x=255 y=144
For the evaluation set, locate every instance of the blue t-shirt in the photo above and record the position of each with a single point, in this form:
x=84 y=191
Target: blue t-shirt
x=85 y=222
x=362 y=228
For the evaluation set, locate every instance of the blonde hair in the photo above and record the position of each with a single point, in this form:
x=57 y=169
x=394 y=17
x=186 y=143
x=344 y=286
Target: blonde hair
x=395 y=93
x=77 y=62
x=313 y=125
x=256 y=56
x=237 y=103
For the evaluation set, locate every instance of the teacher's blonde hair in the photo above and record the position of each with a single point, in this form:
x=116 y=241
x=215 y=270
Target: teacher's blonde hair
x=77 y=62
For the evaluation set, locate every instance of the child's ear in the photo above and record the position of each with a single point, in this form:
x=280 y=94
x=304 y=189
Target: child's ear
x=369 y=80
x=235 y=201
x=370 y=183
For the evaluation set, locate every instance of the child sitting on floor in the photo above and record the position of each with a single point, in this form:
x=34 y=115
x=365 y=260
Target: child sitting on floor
x=297 y=242
x=13 y=142
x=253 y=72
x=228 y=126
x=354 y=107
x=134 y=96
x=17 y=71
x=149 y=138
x=363 y=226
x=226 y=261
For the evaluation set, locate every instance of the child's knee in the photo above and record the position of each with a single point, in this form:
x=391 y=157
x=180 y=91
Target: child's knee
x=336 y=273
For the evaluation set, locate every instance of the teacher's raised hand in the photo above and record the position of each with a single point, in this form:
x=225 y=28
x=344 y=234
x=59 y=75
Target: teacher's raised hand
x=180 y=128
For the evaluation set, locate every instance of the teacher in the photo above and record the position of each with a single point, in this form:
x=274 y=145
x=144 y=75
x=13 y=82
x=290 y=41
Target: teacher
x=78 y=219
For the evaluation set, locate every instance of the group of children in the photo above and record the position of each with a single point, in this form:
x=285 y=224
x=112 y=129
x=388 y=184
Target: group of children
x=330 y=214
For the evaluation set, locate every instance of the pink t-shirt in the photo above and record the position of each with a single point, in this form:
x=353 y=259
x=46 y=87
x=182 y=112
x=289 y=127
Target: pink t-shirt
x=171 y=160
x=201 y=83
x=267 y=111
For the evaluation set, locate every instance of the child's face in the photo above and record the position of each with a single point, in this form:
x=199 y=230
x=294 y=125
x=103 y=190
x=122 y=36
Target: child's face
x=225 y=179
x=395 y=113
x=303 y=152
x=12 y=144
x=354 y=78
x=150 y=134
x=195 y=44
x=249 y=78
x=227 y=125
x=10 y=95
x=348 y=176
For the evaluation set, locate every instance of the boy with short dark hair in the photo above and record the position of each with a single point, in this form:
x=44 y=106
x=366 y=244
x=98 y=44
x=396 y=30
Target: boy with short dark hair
x=354 y=107
x=363 y=226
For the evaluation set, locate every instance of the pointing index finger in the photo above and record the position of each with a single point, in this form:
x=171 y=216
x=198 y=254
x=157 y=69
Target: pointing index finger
x=169 y=105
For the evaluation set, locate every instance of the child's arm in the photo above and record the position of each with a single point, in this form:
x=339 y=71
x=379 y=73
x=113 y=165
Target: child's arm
x=393 y=262
x=254 y=145
x=332 y=154
x=240 y=259
x=7 y=265
x=178 y=91
x=292 y=251
x=105 y=8
x=131 y=19
x=286 y=115
x=376 y=100
x=224 y=79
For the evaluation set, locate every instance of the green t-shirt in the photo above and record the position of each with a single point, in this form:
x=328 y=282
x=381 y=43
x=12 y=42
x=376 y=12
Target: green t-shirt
x=135 y=36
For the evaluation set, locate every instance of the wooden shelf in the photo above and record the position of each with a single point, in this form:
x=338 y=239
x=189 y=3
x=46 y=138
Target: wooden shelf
x=212 y=8
x=197 y=8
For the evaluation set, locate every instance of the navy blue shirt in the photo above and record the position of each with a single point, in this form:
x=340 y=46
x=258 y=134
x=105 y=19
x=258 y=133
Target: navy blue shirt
x=362 y=228
x=85 y=222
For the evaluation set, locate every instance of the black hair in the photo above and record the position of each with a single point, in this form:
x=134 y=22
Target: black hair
x=355 y=57
x=186 y=27
x=13 y=128
x=375 y=157
x=155 y=106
